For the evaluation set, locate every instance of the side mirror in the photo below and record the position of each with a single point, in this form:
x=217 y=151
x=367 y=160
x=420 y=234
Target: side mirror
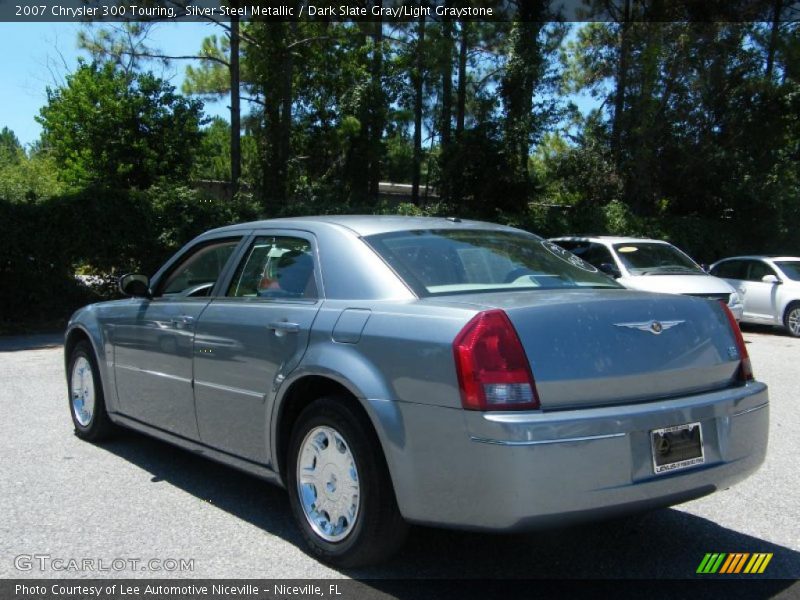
x=610 y=270
x=771 y=279
x=135 y=285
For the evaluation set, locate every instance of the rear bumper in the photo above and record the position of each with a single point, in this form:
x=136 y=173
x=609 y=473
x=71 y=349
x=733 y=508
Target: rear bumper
x=512 y=471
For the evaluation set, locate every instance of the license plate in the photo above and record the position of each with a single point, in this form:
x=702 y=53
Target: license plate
x=677 y=447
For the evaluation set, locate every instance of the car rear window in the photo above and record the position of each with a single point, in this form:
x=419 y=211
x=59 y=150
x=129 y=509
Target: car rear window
x=438 y=262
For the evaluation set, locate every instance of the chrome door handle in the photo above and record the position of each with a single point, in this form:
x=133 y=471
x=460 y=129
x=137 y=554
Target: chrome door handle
x=284 y=327
x=182 y=320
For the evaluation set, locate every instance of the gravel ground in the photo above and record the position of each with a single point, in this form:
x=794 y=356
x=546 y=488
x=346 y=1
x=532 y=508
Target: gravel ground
x=137 y=498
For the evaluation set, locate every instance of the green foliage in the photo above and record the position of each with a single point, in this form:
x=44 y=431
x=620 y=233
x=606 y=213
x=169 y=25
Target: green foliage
x=44 y=243
x=212 y=78
x=110 y=128
x=181 y=213
x=213 y=160
x=29 y=178
x=11 y=151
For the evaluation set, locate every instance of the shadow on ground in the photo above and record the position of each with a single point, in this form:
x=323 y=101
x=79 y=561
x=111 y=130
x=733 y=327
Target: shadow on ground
x=765 y=329
x=37 y=341
x=661 y=544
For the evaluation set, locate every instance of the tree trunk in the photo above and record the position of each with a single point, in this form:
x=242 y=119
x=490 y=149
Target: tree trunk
x=287 y=72
x=447 y=83
x=523 y=72
x=622 y=84
x=236 y=126
x=461 y=100
x=377 y=110
x=773 y=37
x=418 y=100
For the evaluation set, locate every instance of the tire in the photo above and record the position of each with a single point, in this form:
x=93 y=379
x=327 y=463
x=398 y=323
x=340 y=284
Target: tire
x=357 y=522
x=791 y=319
x=85 y=399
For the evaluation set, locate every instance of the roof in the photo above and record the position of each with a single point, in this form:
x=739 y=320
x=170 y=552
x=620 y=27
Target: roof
x=612 y=239
x=760 y=257
x=365 y=225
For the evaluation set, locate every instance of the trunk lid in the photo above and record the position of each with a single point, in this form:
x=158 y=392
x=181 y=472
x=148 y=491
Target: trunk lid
x=602 y=347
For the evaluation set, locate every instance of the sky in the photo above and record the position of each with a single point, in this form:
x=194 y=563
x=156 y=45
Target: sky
x=37 y=55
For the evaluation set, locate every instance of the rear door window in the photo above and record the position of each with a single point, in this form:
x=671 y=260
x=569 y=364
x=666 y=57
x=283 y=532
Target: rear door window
x=276 y=267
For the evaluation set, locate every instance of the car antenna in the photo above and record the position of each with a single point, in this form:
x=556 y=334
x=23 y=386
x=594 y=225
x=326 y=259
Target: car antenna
x=454 y=219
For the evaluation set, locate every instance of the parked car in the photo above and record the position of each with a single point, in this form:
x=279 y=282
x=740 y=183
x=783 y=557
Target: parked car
x=653 y=266
x=769 y=287
x=395 y=370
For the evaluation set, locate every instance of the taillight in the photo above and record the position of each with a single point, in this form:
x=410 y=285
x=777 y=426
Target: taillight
x=745 y=372
x=493 y=371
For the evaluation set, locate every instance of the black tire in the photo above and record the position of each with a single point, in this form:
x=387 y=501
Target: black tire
x=378 y=529
x=99 y=426
x=792 y=313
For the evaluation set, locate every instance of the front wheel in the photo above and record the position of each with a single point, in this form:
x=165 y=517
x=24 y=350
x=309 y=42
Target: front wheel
x=86 y=401
x=791 y=319
x=339 y=486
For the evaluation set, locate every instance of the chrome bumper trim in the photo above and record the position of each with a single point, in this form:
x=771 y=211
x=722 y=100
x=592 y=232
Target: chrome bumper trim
x=749 y=410
x=542 y=442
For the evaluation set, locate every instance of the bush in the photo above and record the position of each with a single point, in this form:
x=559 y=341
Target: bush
x=97 y=232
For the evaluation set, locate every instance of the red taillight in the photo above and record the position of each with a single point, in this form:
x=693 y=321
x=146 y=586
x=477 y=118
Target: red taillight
x=745 y=372
x=493 y=371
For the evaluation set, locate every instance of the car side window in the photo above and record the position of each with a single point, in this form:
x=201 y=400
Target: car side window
x=276 y=267
x=577 y=248
x=731 y=269
x=196 y=274
x=757 y=269
x=598 y=254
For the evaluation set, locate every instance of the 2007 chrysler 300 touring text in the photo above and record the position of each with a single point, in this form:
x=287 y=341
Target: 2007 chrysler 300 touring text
x=394 y=370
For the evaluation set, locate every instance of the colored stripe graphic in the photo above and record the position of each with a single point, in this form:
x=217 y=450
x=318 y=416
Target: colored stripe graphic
x=733 y=563
x=711 y=562
x=728 y=564
x=736 y=560
x=758 y=563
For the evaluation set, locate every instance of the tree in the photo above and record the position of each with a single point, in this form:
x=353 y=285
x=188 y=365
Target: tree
x=214 y=159
x=219 y=73
x=11 y=151
x=113 y=128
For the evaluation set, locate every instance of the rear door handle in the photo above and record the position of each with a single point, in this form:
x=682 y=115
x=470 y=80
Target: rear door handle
x=284 y=327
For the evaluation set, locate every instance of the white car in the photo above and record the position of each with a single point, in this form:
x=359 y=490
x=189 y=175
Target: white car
x=651 y=266
x=769 y=287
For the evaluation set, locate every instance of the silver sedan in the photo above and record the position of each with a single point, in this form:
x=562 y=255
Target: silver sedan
x=769 y=287
x=395 y=370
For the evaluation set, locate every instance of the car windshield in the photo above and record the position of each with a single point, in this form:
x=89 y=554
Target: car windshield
x=650 y=258
x=790 y=268
x=437 y=262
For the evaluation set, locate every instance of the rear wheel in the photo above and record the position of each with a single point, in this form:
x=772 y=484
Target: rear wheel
x=791 y=319
x=86 y=401
x=339 y=487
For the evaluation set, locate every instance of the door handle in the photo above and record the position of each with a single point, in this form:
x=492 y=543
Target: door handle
x=182 y=320
x=284 y=327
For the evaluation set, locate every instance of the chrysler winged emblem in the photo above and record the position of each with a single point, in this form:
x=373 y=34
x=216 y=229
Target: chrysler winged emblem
x=654 y=327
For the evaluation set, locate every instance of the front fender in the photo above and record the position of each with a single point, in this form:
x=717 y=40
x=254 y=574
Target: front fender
x=85 y=324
